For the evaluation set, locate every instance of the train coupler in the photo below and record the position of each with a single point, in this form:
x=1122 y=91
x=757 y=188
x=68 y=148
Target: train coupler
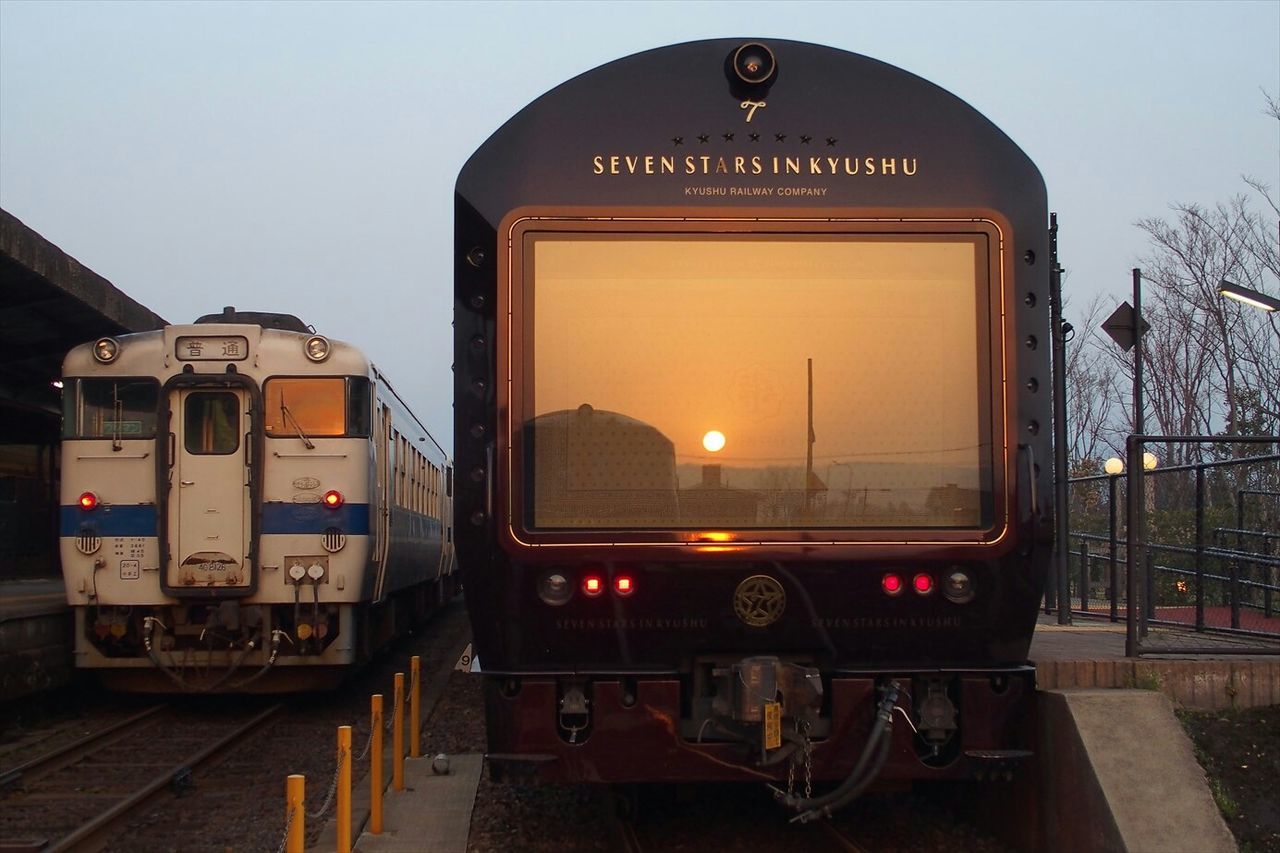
x=575 y=710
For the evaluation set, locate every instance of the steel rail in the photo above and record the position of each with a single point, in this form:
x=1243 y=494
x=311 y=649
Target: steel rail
x=840 y=838
x=43 y=765
x=83 y=838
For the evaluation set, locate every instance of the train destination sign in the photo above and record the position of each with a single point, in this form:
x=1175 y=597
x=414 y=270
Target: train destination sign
x=217 y=348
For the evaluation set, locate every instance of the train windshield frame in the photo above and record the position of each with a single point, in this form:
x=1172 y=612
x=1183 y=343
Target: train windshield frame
x=318 y=406
x=781 y=381
x=115 y=407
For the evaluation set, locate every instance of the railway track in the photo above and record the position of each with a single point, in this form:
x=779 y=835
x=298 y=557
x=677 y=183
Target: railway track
x=55 y=759
x=71 y=798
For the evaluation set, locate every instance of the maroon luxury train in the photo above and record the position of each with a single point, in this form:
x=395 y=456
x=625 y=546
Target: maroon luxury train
x=753 y=424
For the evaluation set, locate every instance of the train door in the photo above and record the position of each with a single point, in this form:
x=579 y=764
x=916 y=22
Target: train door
x=209 y=507
x=382 y=523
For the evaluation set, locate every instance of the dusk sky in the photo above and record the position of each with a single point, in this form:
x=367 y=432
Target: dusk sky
x=301 y=156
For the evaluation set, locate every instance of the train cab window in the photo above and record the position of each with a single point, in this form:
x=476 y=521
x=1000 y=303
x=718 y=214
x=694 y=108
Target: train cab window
x=756 y=381
x=211 y=423
x=359 y=407
x=312 y=406
x=110 y=408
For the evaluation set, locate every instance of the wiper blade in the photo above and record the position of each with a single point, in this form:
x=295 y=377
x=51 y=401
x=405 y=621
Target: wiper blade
x=302 y=435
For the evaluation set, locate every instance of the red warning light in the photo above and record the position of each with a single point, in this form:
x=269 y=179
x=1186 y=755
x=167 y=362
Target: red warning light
x=891 y=584
x=623 y=585
x=332 y=499
x=88 y=501
x=592 y=586
x=923 y=583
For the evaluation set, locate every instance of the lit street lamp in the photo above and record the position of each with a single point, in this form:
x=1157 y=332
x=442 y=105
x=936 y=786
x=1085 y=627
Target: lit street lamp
x=1248 y=296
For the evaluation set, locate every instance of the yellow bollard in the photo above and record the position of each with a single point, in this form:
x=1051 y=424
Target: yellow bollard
x=344 y=789
x=415 y=686
x=295 y=814
x=397 y=736
x=375 y=768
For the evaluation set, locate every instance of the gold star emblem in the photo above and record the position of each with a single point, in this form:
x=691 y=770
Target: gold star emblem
x=759 y=601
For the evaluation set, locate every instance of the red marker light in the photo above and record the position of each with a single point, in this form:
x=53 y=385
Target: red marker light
x=891 y=584
x=88 y=501
x=332 y=499
x=592 y=586
x=923 y=583
x=623 y=585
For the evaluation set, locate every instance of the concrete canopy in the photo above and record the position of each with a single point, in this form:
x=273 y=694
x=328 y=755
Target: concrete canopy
x=49 y=302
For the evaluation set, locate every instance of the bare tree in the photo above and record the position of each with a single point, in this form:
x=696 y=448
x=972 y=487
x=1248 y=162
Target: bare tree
x=1093 y=398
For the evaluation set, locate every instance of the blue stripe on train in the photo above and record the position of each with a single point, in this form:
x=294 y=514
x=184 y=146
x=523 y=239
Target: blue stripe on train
x=277 y=518
x=351 y=519
x=113 y=520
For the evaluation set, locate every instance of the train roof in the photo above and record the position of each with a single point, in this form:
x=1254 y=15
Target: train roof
x=265 y=319
x=671 y=127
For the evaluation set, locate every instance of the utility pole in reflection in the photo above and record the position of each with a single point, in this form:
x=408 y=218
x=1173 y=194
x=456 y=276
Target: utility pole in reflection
x=808 y=455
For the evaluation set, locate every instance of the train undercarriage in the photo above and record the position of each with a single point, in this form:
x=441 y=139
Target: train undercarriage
x=763 y=719
x=243 y=647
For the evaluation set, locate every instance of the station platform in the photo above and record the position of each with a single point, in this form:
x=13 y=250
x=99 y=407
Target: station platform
x=1090 y=653
x=411 y=826
x=35 y=637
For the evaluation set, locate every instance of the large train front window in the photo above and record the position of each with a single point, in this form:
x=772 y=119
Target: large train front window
x=324 y=407
x=113 y=408
x=739 y=381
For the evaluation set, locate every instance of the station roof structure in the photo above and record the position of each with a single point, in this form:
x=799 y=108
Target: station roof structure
x=49 y=303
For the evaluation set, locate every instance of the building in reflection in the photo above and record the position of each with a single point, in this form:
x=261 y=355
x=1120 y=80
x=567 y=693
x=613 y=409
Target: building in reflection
x=712 y=503
x=594 y=468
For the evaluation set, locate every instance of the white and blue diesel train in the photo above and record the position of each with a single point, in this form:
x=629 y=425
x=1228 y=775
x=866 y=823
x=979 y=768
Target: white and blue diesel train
x=246 y=506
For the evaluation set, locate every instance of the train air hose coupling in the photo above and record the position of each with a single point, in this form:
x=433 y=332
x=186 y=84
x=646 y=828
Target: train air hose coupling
x=872 y=760
x=276 y=636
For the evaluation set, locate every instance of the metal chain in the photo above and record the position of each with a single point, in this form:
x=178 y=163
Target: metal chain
x=288 y=825
x=791 y=768
x=808 y=760
x=791 y=776
x=333 y=787
x=368 y=745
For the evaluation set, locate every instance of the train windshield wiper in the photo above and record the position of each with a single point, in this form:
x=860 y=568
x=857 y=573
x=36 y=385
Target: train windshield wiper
x=284 y=410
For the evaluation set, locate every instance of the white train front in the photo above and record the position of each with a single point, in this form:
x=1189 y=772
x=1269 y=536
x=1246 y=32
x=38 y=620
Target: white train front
x=246 y=505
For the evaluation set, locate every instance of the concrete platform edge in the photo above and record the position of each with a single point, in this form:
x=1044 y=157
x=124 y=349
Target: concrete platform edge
x=1198 y=685
x=1120 y=774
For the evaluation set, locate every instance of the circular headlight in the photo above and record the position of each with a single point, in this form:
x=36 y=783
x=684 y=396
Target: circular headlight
x=958 y=587
x=317 y=348
x=753 y=63
x=105 y=350
x=555 y=589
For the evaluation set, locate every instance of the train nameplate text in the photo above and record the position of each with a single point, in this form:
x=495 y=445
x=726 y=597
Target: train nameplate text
x=215 y=348
x=826 y=165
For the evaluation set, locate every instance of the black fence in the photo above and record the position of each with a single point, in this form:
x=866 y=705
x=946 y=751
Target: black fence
x=1203 y=571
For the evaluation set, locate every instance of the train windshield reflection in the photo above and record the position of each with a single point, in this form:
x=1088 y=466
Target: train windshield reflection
x=305 y=406
x=756 y=381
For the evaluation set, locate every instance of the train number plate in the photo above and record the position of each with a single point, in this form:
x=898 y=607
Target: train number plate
x=215 y=348
x=772 y=725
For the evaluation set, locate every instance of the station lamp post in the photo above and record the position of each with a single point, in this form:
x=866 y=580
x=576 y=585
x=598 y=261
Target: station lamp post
x=1114 y=468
